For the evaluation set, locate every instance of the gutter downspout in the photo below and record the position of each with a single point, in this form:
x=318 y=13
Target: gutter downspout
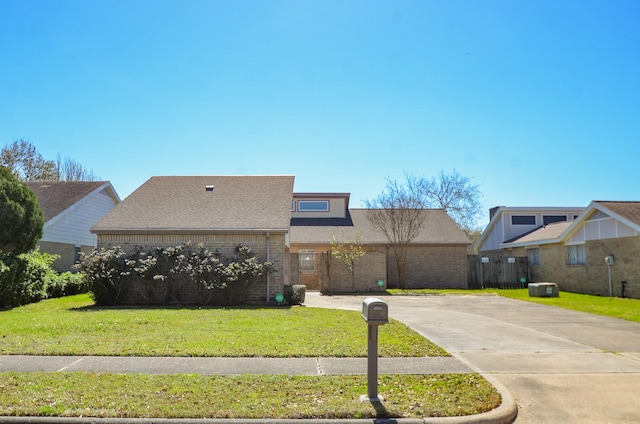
x=268 y=260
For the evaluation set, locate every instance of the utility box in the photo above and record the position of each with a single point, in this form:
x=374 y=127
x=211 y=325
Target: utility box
x=375 y=311
x=543 y=290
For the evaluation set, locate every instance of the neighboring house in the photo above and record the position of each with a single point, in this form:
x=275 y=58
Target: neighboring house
x=218 y=212
x=291 y=230
x=436 y=258
x=507 y=223
x=70 y=209
x=572 y=253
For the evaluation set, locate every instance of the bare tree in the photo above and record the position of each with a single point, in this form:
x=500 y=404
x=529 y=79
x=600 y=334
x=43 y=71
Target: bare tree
x=24 y=161
x=455 y=194
x=72 y=170
x=397 y=213
x=348 y=251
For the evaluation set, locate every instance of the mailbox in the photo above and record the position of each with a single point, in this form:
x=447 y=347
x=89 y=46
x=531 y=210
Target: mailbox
x=375 y=311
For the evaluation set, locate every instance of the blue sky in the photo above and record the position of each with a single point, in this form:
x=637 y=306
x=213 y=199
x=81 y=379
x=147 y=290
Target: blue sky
x=536 y=101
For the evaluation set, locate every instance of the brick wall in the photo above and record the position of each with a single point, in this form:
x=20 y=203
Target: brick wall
x=67 y=253
x=367 y=271
x=593 y=278
x=221 y=243
x=432 y=267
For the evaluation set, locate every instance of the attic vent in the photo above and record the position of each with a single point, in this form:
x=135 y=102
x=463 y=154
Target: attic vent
x=209 y=187
x=597 y=214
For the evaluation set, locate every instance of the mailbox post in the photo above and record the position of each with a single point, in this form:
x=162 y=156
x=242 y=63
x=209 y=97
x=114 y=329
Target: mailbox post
x=375 y=312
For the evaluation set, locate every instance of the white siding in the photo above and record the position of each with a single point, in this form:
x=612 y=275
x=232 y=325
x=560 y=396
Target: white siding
x=72 y=226
x=600 y=229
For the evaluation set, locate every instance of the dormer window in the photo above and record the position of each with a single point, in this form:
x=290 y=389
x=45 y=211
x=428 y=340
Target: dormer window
x=313 y=205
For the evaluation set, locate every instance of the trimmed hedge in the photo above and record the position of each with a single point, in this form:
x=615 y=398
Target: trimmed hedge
x=29 y=278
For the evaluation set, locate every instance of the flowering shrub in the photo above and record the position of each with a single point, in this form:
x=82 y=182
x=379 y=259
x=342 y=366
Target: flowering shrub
x=106 y=272
x=156 y=275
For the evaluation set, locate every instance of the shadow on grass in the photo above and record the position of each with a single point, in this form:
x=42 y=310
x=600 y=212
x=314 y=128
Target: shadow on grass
x=177 y=307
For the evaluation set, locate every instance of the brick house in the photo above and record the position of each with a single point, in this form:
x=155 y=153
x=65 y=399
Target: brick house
x=572 y=252
x=435 y=259
x=291 y=230
x=70 y=209
x=218 y=212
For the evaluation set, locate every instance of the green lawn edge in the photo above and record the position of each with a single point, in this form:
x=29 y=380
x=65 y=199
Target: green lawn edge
x=79 y=394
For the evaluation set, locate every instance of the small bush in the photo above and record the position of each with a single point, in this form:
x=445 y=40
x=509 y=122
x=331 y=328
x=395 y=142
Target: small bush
x=67 y=284
x=24 y=278
x=295 y=294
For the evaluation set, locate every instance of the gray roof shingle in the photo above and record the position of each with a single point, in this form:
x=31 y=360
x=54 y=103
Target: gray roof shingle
x=182 y=203
x=439 y=228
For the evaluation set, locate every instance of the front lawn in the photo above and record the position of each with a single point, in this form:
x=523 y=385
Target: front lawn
x=71 y=326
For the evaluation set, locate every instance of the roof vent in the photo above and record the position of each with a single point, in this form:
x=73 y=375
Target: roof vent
x=209 y=187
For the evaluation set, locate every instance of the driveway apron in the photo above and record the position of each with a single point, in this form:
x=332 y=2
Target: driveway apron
x=561 y=366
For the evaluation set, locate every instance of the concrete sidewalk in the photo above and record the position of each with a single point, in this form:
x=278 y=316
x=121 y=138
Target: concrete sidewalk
x=231 y=366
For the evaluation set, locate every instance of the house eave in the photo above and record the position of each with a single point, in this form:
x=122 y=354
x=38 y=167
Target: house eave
x=105 y=231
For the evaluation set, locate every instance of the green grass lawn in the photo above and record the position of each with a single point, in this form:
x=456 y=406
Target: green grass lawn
x=615 y=307
x=245 y=396
x=73 y=326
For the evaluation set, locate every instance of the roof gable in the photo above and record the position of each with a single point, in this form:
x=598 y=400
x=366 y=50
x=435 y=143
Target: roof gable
x=629 y=212
x=500 y=230
x=57 y=197
x=204 y=203
x=587 y=226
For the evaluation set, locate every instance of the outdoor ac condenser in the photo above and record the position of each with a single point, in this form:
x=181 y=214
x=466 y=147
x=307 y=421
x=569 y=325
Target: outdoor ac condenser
x=543 y=290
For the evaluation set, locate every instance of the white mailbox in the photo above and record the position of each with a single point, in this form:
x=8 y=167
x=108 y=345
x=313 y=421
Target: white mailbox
x=375 y=311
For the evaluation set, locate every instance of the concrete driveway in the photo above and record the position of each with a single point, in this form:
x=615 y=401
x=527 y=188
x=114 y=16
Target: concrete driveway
x=561 y=366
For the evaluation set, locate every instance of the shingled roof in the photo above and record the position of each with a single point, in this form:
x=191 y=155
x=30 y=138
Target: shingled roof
x=438 y=228
x=546 y=232
x=203 y=204
x=628 y=210
x=55 y=197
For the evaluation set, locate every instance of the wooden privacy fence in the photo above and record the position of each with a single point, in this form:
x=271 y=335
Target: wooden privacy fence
x=496 y=271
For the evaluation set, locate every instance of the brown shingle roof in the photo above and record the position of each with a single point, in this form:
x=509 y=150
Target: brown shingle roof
x=182 y=203
x=628 y=210
x=57 y=196
x=547 y=232
x=439 y=228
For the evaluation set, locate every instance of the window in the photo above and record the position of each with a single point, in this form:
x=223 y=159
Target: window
x=523 y=220
x=307 y=260
x=577 y=254
x=550 y=219
x=313 y=205
x=76 y=254
x=534 y=256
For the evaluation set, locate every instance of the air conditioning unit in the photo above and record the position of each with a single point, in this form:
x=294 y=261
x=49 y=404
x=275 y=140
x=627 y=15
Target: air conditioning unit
x=543 y=290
